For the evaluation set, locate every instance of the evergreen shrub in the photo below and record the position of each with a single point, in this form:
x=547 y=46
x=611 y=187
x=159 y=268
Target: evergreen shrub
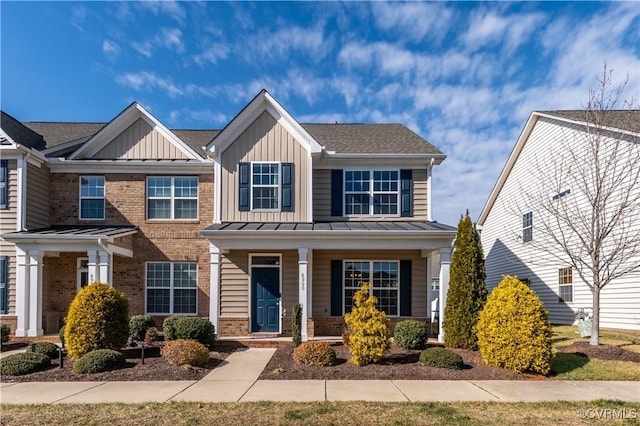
x=98 y=318
x=369 y=331
x=185 y=352
x=513 y=330
x=23 y=363
x=296 y=325
x=169 y=326
x=193 y=328
x=441 y=358
x=138 y=325
x=5 y=333
x=45 y=348
x=98 y=361
x=410 y=334
x=318 y=354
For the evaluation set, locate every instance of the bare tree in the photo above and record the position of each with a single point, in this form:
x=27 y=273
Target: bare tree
x=586 y=196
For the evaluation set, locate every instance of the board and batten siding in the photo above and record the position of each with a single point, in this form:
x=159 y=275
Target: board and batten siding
x=264 y=140
x=140 y=141
x=506 y=254
x=37 y=212
x=321 y=284
x=9 y=223
x=234 y=281
x=322 y=198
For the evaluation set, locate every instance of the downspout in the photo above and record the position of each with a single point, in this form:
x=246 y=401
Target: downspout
x=21 y=204
x=429 y=169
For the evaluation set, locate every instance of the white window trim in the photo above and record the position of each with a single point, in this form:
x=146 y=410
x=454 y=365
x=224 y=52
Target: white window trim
x=173 y=198
x=524 y=228
x=278 y=191
x=371 y=288
x=103 y=198
x=279 y=266
x=81 y=270
x=560 y=299
x=171 y=288
x=371 y=192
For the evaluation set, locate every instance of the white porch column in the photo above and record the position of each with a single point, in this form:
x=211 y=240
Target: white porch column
x=303 y=274
x=35 y=293
x=104 y=267
x=214 y=286
x=22 y=292
x=92 y=266
x=445 y=263
x=429 y=290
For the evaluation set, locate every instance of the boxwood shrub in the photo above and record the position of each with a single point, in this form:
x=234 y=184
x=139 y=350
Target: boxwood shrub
x=138 y=325
x=318 y=354
x=185 y=352
x=45 y=348
x=23 y=363
x=193 y=328
x=98 y=361
x=5 y=333
x=169 y=327
x=442 y=358
x=410 y=334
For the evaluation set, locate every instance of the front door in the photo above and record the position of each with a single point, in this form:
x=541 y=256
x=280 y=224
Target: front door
x=265 y=306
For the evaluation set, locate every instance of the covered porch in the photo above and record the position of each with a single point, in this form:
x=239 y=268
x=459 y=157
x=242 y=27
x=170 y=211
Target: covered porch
x=320 y=266
x=97 y=244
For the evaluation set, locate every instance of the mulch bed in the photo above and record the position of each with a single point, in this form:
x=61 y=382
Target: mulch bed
x=154 y=368
x=397 y=364
x=606 y=352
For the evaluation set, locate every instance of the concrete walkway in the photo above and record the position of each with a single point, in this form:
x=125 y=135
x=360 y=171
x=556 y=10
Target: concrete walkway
x=236 y=380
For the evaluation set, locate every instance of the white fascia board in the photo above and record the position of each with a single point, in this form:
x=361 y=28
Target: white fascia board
x=506 y=170
x=4 y=135
x=61 y=239
x=587 y=124
x=262 y=102
x=381 y=160
x=60 y=165
x=120 y=123
x=63 y=146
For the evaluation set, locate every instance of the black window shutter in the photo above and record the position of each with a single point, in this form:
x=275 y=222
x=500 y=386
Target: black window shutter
x=337 y=192
x=336 y=288
x=287 y=187
x=406 y=193
x=4 y=273
x=244 y=187
x=405 y=288
x=4 y=184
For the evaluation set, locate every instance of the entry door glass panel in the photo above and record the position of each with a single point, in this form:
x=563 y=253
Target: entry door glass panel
x=265 y=290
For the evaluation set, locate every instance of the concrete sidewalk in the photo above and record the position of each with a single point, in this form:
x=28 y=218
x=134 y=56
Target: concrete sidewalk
x=236 y=380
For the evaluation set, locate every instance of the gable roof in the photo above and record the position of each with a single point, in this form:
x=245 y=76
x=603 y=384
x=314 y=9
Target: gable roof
x=19 y=133
x=622 y=121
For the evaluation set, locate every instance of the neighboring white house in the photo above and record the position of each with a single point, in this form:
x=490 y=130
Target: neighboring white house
x=508 y=223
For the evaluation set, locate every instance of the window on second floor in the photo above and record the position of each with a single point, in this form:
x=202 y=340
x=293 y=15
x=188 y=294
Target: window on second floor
x=371 y=192
x=527 y=227
x=172 y=198
x=92 y=197
x=4 y=184
x=266 y=186
x=565 y=284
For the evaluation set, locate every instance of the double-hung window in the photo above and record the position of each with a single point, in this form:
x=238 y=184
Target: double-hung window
x=371 y=192
x=565 y=285
x=4 y=184
x=527 y=227
x=92 y=197
x=172 y=197
x=383 y=277
x=265 y=179
x=172 y=288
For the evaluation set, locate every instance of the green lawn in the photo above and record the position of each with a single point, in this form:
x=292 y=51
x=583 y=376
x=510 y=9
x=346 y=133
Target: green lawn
x=323 y=413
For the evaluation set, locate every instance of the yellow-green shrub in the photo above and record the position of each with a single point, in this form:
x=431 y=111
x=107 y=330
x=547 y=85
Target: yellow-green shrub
x=98 y=318
x=513 y=330
x=369 y=332
x=318 y=354
x=185 y=352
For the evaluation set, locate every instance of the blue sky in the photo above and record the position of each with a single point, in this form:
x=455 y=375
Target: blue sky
x=464 y=75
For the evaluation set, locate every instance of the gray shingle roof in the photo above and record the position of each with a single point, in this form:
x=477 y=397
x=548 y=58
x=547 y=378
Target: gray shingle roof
x=618 y=119
x=20 y=133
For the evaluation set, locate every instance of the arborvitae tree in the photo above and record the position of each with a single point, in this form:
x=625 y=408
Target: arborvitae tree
x=467 y=290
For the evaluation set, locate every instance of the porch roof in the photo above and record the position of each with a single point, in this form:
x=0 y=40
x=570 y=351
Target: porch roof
x=72 y=232
x=332 y=227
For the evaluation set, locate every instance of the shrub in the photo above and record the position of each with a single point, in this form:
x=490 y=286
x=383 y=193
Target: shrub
x=45 y=348
x=198 y=329
x=98 y=319
x=98 y=361
x=441 y=358
x=296 y=325
x=152 y=335
x=5 y=333
x=185 y=352
x=467 y=290
x=513 y=330
x=318 y=354
x=369 y=332
x=410 y=334
x=138 y=325
x=169 y=327
x=23 y=363
x=61 y=335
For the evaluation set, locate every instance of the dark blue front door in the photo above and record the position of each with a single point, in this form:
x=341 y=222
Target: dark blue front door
x=265 y=307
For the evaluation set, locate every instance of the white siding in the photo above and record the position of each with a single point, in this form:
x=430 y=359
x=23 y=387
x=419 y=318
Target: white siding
x=506 y=254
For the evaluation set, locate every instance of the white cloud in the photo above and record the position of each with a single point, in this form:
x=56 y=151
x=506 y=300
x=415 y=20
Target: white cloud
x=168 y=38
x=110 y=49
x=171 y=8
x=282 y=43
x=78 y=16
x=212 y=54
x=144 y=48
x=413 y=20
x=149 y=81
